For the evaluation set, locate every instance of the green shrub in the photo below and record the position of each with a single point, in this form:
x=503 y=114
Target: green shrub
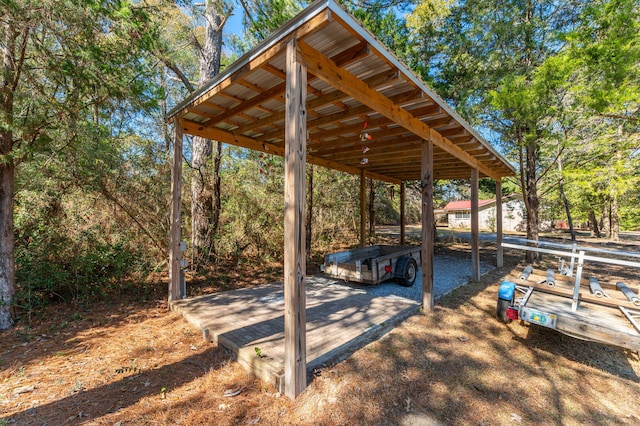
x=55 y=267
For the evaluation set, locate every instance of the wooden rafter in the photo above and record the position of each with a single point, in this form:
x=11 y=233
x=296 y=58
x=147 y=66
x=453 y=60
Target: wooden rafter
x=247 y=100
x=325 y=69
x=214 y=133
x=345 y=147
x=312 y=26
x=343 y=58
x=321 y=101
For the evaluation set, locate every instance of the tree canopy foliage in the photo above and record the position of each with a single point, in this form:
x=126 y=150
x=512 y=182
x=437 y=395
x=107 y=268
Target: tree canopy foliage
x=74 y=73
x=545 y=81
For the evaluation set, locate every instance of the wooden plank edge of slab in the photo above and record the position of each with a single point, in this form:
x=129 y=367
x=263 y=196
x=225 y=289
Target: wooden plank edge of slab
x=374 y=332
x=264 y=367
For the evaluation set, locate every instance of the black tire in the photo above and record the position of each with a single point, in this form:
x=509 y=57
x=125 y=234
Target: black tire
x=406 y=271
x=501 y=310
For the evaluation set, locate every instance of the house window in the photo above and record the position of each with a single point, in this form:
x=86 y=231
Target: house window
x=463 y=215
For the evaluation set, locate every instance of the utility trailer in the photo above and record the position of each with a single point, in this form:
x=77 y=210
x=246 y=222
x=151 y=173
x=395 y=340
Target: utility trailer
x=589 y=309
x=375 y=264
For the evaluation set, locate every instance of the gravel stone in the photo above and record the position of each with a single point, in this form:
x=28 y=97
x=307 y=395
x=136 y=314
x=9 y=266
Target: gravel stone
x=449 y=273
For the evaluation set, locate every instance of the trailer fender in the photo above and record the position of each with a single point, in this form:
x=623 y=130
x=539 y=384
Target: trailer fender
x=507 y=290
x=506 y=294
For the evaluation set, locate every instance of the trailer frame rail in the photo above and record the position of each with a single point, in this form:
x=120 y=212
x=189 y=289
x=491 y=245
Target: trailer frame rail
x=577 y=253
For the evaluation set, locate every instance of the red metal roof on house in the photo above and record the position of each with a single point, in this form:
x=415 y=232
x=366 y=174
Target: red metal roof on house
x=465 y=204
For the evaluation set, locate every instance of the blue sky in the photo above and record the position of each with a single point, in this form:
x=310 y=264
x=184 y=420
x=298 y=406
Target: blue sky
x=234 y=23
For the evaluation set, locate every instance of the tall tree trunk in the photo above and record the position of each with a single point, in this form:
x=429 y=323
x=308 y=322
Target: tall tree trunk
x=614 y=218
x=524 y=129
x=595 y=229
x=605 y=218
x=7 y=262
x=201 y=199
x=10 y=76
x=563 y=197
x=529 y=185
x=205 y=188
x=166 y=136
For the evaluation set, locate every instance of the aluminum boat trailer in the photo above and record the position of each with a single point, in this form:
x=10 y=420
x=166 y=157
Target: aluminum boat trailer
x=590 y=309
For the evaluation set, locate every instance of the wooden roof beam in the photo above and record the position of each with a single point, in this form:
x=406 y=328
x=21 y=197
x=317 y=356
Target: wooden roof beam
x=347 y=153
x=379 y=136
x=203 y=113
x=376 y=128
x=245 y=105
x=449 y=164
x=454 y=131
x=346 y=82
x=343 y=144
x=459 y=139
x=312 y=26
x=345 y=57
x=372 y=124
x=393 y=153
x=437 y=123
x=411 y=170
x=381 y=140
x=333 y=118
x=249 y=85
x=394 y=166
x=400 y=156
x=323 y=100
x=274 y=70
x=373 y=81
x=214 y=133
x=359 y=110
x=471 y=143
x=209 y=104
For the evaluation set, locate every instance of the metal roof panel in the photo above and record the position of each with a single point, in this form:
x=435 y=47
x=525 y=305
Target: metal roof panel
x=247 y=99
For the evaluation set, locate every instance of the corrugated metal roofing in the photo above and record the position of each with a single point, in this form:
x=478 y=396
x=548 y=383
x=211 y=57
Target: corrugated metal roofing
x=244 y=105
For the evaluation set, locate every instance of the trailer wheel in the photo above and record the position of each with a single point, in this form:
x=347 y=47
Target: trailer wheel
x=501 y=310
x=406 y=271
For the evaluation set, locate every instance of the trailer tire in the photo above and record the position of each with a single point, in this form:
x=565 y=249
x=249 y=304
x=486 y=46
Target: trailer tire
x=501 y=310
x=406 y=271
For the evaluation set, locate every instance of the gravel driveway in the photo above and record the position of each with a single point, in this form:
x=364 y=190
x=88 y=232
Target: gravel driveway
x=449 y=273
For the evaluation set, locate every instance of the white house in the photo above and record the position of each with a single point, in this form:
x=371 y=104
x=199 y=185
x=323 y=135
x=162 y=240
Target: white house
x=513 y=214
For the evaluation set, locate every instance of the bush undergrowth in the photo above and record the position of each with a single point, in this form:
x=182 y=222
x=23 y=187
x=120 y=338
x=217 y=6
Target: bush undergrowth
x=65 y=269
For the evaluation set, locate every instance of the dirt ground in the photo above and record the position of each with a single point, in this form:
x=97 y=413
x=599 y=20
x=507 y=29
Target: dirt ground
x=131 y=362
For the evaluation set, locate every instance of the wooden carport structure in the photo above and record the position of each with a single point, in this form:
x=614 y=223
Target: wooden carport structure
x=324 y=90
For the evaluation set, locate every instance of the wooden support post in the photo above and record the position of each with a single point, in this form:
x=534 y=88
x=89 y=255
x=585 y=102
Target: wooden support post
x=295 y=316
x=427 y=225
x=402 y=218
x=371 y=211
x=175 y=225
x=499 y=249
x=363 y=209
x=475 y=242
x=309 y=218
